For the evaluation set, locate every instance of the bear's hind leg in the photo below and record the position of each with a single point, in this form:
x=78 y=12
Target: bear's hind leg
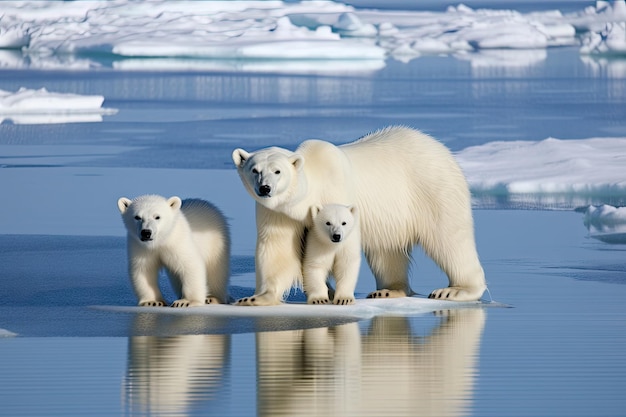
x=390 y=268
x=459 y=260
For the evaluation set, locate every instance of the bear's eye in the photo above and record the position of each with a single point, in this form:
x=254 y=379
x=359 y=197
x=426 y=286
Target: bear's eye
x=137 y=218
x=343 y=224
x=277 y=172
x=327 y=223
x=157 y=217
x=255 y=171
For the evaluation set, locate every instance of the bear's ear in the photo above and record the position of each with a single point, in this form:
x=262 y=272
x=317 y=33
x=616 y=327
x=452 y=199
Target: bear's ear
x=240 y=157
x=353 y=210
x=297 y=161
x=123 y=204
x=174 y=203
x=315 y=211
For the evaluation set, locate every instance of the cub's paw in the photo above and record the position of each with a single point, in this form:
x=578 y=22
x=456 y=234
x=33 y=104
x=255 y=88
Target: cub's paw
x=183 y=302
x=211 y=300
x=343 y=301
x=457 y=294
x=257 y=300
x=318 y=300
x=152 y=303
x=387 y=294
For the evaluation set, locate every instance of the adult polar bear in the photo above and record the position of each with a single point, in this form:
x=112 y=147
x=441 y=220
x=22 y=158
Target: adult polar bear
x=407 y=187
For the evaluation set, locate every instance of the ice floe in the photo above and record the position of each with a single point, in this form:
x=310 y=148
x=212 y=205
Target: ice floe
x=586 y=167
x=6 y=333
x=606 y=223
x=282 y=30
x=28 y=106
x=361 y=309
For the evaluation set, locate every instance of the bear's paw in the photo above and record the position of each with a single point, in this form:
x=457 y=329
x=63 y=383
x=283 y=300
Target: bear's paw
x=183 y=302
x=387 y=294
x=318 y=300
x=258 y=300
x=343 y=301
x=211 y=300
x=457 y=293
x=152 y=303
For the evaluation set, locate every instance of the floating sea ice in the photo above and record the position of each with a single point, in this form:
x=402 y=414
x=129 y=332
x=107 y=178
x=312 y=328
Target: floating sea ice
x=13 y=36
x=7 y=333
x=552 y=166
x=607 y=32
x=28 y=106
x=606 y=223
x=42 y=100
x=348 y=24
x=611 y=40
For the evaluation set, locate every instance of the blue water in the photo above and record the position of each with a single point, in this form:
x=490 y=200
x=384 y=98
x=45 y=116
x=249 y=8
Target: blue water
x=560 y=349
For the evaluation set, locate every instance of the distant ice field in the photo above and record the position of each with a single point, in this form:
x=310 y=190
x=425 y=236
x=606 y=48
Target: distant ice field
x=75 y=34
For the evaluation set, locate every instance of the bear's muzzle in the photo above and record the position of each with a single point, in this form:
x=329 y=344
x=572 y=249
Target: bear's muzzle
x=146 y=235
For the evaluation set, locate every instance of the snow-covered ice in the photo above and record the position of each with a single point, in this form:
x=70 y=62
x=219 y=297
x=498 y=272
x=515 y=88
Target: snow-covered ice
x=585 y=167
x=28 y=106
x=49 y=33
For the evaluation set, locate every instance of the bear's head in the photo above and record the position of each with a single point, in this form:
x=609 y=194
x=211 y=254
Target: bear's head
x=270 y=175
x=149 y=219
x=334 y=222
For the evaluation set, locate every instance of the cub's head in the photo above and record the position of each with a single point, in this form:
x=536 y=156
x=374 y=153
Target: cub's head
x=269 y=174
x=334 y=222
x=149 y=218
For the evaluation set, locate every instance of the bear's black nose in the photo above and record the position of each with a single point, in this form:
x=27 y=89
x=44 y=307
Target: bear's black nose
x=146 y=234
x=265 y=190
x=336 y=237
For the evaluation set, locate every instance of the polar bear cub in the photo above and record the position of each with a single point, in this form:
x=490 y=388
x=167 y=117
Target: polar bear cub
x=189 y=238
x=332 y=245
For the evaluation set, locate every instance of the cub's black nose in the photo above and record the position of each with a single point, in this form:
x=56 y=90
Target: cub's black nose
x=265 y=190
x=146 y=234
x=336 y=238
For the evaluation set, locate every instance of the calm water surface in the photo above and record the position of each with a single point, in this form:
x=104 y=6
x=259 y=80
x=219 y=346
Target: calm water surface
x=559 y=351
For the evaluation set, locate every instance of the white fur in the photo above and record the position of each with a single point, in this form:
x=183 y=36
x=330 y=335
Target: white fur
x=407 y=187
x=189 y=238
x=333 y=245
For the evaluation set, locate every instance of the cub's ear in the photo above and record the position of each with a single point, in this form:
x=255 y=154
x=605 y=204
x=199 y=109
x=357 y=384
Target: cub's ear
x=315 y=211
x=297 y=161
x=240 y=157
x=174 y=203
x=123 y=204
x=353 y=210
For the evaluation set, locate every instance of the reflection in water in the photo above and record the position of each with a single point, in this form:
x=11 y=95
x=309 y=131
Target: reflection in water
x=387 y=370
x=384 y=368
x=170 y=375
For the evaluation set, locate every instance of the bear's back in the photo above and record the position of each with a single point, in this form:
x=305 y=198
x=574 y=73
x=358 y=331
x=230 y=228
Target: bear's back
x=205 y=221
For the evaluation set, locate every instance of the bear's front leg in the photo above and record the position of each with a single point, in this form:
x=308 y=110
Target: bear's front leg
x=144 y=277
x=315 y=268
x=390 y=270
x=189 y=271
x=346 y=272
x=277 y=259
x=315 y=286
